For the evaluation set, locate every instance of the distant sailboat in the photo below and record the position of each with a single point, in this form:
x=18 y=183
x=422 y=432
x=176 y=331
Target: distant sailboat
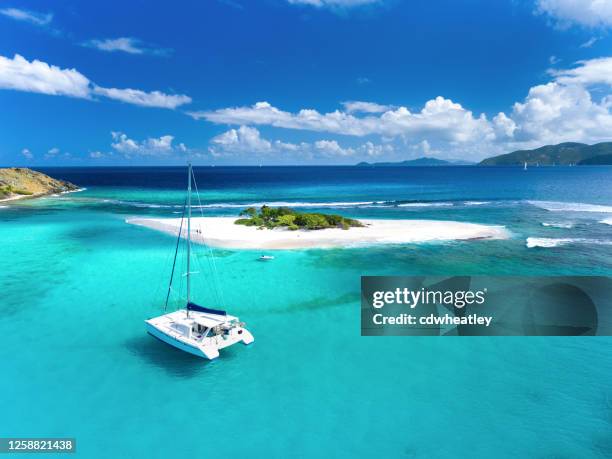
x=196 y=329
x=525 y=166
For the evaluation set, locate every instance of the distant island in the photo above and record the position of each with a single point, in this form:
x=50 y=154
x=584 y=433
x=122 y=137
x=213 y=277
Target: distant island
x=600 y=160
x=18 y=182
x=563 y=154
x=269 y=217
x=424 y=161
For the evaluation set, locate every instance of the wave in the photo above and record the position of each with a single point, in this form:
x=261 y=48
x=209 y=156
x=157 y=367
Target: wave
x=137 y=204
x=476 y=203
x=232 y=205
x=555 y=206
x=78 y=190
x=566 y=225
x=546 y=242
x=425 y=204
x=606 y=221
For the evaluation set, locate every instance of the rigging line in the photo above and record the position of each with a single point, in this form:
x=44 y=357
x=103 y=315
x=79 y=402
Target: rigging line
x=178 y=240
x=217 y=283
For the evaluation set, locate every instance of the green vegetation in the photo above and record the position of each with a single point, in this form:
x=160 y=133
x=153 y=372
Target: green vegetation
x=7 y=190
x=601 y=160
x=554 y=155
x=270 y=217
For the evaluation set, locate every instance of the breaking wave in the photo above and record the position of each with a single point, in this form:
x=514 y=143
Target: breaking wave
x=555 y=206
x=566 y=225
x=552 y=242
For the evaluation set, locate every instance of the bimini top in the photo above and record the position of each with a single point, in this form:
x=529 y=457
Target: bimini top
x=195 y=307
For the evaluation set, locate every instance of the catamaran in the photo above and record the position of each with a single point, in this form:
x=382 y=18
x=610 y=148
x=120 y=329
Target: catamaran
x=196 y=329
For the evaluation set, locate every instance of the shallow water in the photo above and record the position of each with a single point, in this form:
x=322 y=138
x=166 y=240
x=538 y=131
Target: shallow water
x=77 y=283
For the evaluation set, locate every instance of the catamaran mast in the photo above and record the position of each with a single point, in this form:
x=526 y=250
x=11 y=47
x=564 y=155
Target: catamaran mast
x=188 y=239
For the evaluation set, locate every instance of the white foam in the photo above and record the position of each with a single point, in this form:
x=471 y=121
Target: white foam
x=566 y=225
x=78 y=190
x=551 y=242
x=547 y=242
x=476 y=203
x=425 y=204
x=222 y=205
x=606 y=221
x=555 y=206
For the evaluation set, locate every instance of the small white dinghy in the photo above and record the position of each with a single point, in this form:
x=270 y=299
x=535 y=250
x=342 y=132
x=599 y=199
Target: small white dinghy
x=266 y=258
x=196 y=329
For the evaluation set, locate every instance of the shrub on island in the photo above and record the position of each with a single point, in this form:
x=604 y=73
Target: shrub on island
x=274 y=217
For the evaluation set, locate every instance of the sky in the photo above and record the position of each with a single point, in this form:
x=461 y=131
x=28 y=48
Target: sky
x=313 y=82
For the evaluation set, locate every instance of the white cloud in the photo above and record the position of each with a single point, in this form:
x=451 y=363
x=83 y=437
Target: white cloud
x=247 y=142
x=27 y=153
x=36 y=76
x=52 y=153
x=589 y=13
x=441 y=116
x=97 y=155
x=554 y=60
x=590 y=72
x=590 y=42
x=128 y=45
x=554 y=113
x=33 y=17
x=145 y=99
x=153 y=146
x=334 y=3
x=356 y=106
x=332 y=148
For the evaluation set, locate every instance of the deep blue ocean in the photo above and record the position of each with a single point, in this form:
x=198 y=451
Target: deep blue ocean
x=77 y=282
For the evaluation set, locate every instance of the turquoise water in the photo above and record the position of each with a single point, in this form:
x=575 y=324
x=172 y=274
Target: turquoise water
x=77 y=283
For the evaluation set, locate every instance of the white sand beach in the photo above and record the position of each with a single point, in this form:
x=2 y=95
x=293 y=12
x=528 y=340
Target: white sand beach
x=222 y=232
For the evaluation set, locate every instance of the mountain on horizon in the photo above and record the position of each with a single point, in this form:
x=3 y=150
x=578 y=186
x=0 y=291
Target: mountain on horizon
x=423 y=161
x=563 y=154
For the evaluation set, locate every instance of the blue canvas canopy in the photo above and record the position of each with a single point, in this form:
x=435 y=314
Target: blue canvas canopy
x=195 y=307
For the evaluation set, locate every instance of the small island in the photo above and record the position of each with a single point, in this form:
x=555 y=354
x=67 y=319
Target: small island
x=20 y=182
x=270 y=218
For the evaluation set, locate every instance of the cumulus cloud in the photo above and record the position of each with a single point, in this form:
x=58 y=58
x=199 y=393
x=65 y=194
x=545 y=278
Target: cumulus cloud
x=33 y=17
x=444 y=117
x=27 y=153
x=128 y=45
x=588 y=13
x=332 y=148
x=247 y=141
x=356 y=106
x=37 y=76
x=153 y=146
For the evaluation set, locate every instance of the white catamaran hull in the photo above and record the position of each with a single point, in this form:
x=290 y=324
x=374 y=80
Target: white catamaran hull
x=209 y=354
x=207 y=347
